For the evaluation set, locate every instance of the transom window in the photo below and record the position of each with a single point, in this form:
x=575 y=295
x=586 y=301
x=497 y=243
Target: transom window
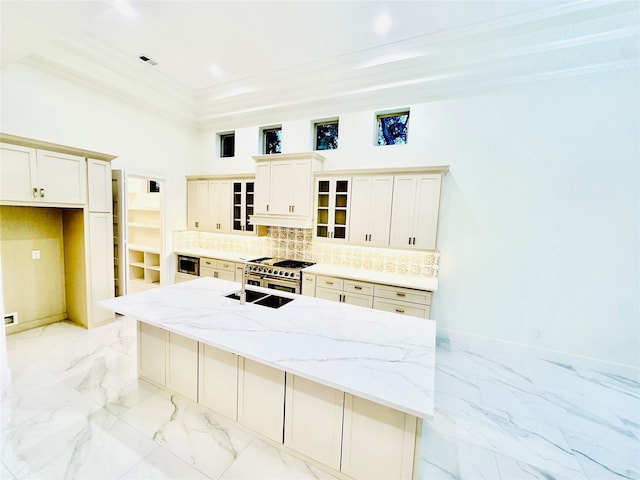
x=393 y=128
x=326 y=135
x=227 y=144
x=271 y=140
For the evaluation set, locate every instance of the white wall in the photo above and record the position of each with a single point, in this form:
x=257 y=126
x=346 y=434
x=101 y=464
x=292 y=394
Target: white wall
x=45 y=107
x=540 y=208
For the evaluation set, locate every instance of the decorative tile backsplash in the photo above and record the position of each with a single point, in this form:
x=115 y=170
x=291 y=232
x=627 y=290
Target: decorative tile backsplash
x=297 y=244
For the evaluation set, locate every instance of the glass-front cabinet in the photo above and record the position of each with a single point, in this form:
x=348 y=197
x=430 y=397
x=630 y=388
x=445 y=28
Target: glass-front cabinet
x=243 y=202
x=332 y=203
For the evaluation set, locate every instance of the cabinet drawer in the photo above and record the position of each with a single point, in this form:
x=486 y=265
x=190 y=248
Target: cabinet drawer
x=208 y=262
x=227 y=266
x=395 y=306
x=358 y=287
x=422 y=297
x=217 y=264
x=330 y=282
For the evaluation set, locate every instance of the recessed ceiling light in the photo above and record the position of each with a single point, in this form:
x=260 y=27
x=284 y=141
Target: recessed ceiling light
x=146 y=59
x=383 y=23
x=125 y=9
x=216 y=70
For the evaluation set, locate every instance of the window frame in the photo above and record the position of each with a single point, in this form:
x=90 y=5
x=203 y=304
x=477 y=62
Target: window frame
x=221 y=138
x=329 y=121
x=399 y=112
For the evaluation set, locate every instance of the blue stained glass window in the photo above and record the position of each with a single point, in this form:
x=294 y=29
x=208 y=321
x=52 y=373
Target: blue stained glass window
x=393 y=128
x=272 y=138
x=326 y=135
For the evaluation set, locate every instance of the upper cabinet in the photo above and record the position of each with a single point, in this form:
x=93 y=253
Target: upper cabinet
x=380 y=208
x=371 y=198
x=243 y=206
x=332 y=208
x=284 y=189
x=37 y=177
x=414 y=216
x=220 y=204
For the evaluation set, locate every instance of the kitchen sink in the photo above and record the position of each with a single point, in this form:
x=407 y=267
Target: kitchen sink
x=260 y=298
x=252 y=295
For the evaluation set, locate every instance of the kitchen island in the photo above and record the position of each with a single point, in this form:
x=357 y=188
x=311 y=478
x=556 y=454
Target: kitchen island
x=345 y=386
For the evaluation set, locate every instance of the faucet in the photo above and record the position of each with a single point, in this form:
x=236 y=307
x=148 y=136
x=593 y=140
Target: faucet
x=243 y=292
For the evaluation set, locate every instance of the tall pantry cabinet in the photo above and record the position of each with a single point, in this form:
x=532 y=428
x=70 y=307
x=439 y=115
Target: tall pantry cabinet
x=56 y=228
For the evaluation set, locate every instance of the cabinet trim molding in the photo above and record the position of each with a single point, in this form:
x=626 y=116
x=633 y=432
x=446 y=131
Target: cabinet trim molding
x=438 y=169
x=54 y=147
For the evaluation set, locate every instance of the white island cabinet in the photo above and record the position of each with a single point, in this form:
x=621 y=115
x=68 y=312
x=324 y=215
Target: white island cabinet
x=344 y=387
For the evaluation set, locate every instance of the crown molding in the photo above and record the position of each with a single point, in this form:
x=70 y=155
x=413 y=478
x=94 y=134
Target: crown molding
x=568 y=39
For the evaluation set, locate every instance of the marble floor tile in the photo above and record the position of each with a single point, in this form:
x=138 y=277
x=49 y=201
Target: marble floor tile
x=161 y=464
x=444 y=457
x=260 y=461
x=76 y=409
x=190 y=431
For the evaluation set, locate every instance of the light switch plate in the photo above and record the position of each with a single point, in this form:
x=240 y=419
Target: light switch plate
x=35 y=254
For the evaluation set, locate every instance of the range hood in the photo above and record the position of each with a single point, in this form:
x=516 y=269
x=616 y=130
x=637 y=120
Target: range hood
x=284 y=189
x=281 y=221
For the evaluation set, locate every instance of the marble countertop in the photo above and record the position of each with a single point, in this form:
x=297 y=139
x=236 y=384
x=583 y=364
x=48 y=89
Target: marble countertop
x=399 y=280
x=383 y=357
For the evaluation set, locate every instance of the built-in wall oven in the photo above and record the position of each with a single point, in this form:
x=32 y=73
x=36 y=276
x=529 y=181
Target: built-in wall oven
x=278 y=274
x=189 y=265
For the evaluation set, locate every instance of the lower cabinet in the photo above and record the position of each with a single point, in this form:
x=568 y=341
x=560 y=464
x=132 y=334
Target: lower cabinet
x=218 y=382
x=151 y=353
x=378 y=442
x=313 y=420
x=168 y=360
x=261 y=398
x=360 y=438
x=182 y=365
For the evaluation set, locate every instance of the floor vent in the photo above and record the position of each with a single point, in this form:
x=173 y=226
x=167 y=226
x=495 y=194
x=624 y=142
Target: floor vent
x=10 y=319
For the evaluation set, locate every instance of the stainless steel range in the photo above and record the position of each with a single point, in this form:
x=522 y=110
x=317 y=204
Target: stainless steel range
x=276 y=273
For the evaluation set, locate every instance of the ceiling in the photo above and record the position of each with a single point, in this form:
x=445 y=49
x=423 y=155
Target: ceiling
x=216 y=60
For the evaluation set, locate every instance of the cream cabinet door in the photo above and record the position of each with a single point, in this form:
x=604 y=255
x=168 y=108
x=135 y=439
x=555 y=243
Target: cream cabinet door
x=261 y=398
x=182 y=365
x=414 y=218
x=219 y=206
x=329 y=294
x=197 y=205
x=358 y=299
x=379 y=443
x=100 y=186
x=280 y=187
x=301 y=188
x=61 y=178
x=370 y=211
x=262 y=187
x=151 y=353
x=18 y=174
x=313 y=420
x=218 y=381
x=308 y=284
x=101 y=266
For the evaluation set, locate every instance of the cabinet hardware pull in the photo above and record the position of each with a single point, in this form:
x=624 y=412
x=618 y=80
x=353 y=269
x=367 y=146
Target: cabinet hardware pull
x=401 y=294
x=267 y=207
x=329 y=283
x=357 y=287
x=293 y=208
x=342 y=298
x=414 y=241
x=365 y=237
x=399 y=310
x=42 y=193
x=35 y=192
x=409 y=240
x=369 y=237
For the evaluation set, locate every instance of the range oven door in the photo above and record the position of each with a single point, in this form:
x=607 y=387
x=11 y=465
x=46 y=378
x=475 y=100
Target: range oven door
x=289 y=286
x=255 y=280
